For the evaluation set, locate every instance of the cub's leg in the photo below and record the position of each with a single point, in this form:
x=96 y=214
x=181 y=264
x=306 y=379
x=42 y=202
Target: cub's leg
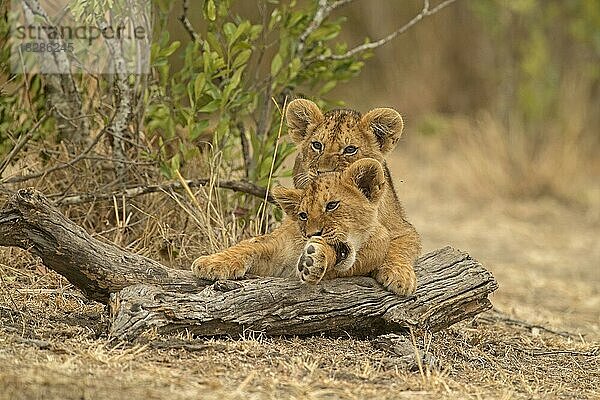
x=272 y=254
x=316 y=257
x=397 y=273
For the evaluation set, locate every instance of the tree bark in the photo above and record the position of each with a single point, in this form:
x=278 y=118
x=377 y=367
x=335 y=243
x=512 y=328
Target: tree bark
x=451 y=287
x=147 y=295
x=98 y=268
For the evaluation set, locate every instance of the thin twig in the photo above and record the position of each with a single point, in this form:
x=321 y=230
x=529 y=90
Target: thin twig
x=323 y=11
x=497 y=316
x=245 y=150
x=236 y=186
x=553 y=352
x=318 y=18
x=20 y=144
x=81 y=156
x=425 y=12
x=186 y=22
x=267 y=193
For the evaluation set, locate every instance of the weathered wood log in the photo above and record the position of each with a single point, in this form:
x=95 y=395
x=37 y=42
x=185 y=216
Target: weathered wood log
x=31 y=222
x=148 y=295
x=451 y=287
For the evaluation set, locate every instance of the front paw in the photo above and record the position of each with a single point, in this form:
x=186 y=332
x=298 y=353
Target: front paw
x=316 y=256
x=217 y=267
x=401 y=281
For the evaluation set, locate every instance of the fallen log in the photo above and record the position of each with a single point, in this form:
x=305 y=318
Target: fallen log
x=147 y=295
x=31 y=222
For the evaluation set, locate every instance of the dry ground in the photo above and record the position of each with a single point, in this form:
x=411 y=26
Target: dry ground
x=545 y=254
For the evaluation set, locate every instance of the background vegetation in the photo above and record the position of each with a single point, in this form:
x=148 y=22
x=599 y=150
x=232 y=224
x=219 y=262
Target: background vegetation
x=512 y=86
x=499 y=157
x=515 y=81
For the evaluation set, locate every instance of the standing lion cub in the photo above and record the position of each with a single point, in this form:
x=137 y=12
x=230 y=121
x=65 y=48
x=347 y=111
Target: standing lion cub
x=331 y=229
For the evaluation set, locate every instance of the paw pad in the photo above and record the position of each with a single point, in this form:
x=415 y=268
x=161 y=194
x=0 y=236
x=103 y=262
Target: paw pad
x=314 y=260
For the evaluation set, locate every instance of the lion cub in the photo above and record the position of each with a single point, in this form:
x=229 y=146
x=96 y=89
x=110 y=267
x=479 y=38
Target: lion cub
x=331 y=229
x=333 y=141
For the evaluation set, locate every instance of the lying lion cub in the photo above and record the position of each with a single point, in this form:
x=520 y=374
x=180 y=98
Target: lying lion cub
x=331 y=229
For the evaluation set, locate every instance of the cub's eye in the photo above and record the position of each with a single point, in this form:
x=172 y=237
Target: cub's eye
x=316 y=146
x=302 y=216
x=332 y=205
x=350 y=150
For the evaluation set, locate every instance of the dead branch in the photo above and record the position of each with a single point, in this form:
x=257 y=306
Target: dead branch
x=495 y=316
x=451 y=288
x=147 y=295
x=20 y=144
x=322 y=12
x=186 y=22
x=236 y=186
x=425 y=12
x=79 y=157
x=29 y=221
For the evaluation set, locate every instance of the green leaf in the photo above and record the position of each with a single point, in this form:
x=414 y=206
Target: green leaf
x=275 y=19
x=326 y=33
x=229 y=29
x=198 y=128
x=170 y=50
x=255 y=30
x=327 y=87
x=276 y=64
x=295 y=66
x=175 y=162
x=242 y=58
x=241 y=29
x=199 y=83
x=211 y=107
x=295 y=18
x=214 y=43
x=211 y=10
x=165 y=170
x=233 y=83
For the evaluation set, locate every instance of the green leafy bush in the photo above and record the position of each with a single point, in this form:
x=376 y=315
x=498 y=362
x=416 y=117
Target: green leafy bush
x=233 y=81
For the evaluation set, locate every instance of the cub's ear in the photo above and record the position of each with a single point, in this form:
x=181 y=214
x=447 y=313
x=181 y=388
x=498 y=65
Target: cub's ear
x=301 y=115
x=288 y=199
x=367 y=174
x=387 y=125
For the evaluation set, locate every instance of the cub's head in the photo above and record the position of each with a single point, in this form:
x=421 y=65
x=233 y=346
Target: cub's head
x=329 y=142
x=341 y=207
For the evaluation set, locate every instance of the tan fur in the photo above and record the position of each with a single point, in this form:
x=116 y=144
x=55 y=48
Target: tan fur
x=374 y=135
x=370 y=216
x=307 y=248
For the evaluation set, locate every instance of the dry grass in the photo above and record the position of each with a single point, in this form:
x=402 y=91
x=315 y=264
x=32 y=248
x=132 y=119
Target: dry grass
x=526 y=204
x=506 y=161
x=54 y=345
x=491 y=157
x=53 y=341
x=173 y=227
